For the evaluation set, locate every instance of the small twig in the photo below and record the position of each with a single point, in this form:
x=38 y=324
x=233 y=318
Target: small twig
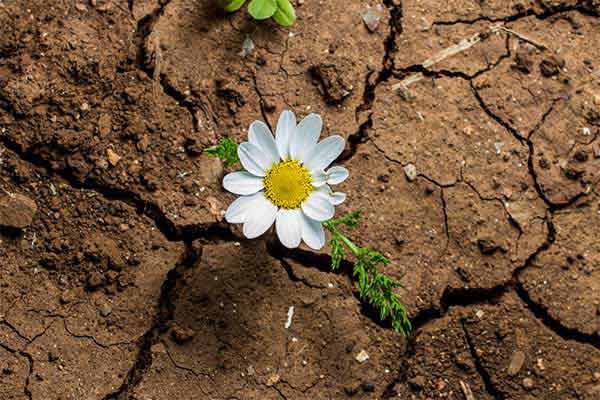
x=157 y=65
x=4 y=190
x=524 y=38
x=460 y=47
x=467 y=391
x=444 y=54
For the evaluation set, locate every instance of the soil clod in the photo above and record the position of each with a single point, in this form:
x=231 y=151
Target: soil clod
x=16 y=211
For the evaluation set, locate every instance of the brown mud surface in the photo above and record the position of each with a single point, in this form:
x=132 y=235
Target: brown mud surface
x=474 y=148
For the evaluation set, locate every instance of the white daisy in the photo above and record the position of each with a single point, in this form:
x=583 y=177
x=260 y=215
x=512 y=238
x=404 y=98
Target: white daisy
x=286 y=181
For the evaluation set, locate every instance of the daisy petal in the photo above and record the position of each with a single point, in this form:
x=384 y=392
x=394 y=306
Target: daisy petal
x=260 y=218
x=289 y=227
x=242 y=182
x=318 y=206
x=241 y=207
x=312 y=233
x=325 y=153
x=338 y=198
x=306 y=137
x=337 y=175
x=260 y=135
x=253 y=159
x=319 y=178
x=286 y=129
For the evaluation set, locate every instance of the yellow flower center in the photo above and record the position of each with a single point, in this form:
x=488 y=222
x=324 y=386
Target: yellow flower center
x=288 y=184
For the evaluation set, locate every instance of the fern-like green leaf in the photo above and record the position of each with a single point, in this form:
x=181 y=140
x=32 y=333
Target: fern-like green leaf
x=374 y=287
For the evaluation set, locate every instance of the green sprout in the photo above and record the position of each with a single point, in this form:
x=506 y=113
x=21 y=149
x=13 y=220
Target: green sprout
x=374 y=287
x=226 y=150
x=281 y=11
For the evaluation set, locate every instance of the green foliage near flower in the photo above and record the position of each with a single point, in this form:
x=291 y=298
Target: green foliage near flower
x=374 y=287
x=226 y=150
x=281 y=11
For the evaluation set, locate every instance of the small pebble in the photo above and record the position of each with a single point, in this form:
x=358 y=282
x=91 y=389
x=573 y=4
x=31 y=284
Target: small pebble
x=586 y=131
x=113 y=158
x=182 y=335
x=16 y=211
x=247 y=47
x=273 y=379
x=516 y=363
x=528 y=383
x=411 y=172
x=371 y=19
x=596 y=150
x=362 y=356
x=105 y=309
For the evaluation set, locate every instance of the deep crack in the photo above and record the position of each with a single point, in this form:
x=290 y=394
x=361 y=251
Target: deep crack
x=143 y=207
x=166 y=311
x=144 y=60
x=585 y=7
x=386 y=71
x=485 y=376
x=29 y=359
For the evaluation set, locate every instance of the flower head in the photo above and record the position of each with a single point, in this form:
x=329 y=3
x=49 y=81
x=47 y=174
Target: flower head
x=287 y=181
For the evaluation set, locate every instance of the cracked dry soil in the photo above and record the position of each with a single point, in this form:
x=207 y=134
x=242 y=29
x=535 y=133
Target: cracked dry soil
x=119 y=279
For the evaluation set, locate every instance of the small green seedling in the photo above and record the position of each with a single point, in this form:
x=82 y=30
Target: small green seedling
x=226 y=150
x=281 y=11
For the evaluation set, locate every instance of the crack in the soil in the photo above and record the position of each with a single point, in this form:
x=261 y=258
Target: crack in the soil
x=322 y=262
x=584 y=7
x=386 y=71
x=460 y=179
x=541 y=313
x=15 y=330
x=452 y=297
x=402 y=73
x=29 y=360
x=144 y=207
x=294 y=278
x=261 y=102
x=144 y=29
x=528 y=141
x=166 y=311
x=485 y=376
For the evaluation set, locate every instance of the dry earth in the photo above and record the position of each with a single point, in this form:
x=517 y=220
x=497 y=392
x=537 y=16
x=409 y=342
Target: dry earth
x=473 y=143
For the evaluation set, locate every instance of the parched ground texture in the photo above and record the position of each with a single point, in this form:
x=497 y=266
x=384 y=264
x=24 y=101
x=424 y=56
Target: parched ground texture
x=473 y=134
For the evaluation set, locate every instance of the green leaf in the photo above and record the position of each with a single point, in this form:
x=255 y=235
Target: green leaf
x=231 y=5
x=374 y=287
x=337 y=252
x=350 y=220
x=226 y=150
x=285 y=14
x=262 y=9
